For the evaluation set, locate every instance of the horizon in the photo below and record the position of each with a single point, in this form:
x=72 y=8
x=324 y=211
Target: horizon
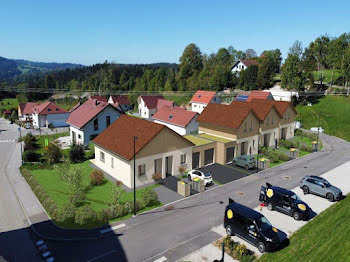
x=157 y=32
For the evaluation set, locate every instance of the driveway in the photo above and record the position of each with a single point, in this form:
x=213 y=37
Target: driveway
x=224 y=174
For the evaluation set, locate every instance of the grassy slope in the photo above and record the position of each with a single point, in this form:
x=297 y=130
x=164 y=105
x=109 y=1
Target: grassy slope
x=335 y=111
x=179 y=100
x=13 y=103
x=325 y=238
x=327 y=75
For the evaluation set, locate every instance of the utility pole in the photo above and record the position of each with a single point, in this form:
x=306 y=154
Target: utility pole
x=20 y=138
x=318 y=129
x=134 y=177
x=257 y=155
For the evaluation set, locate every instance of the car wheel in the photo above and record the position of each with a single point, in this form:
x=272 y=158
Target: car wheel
x=189 y=178
x=330 y=197
x=228 y=230
x=270 y=207
x=306 y=190
x=296 y=215
x=234 y=163
x=261 y=247
x=246 y=167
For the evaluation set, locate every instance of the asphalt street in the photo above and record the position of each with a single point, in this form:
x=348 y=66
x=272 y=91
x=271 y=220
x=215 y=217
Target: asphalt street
x=172 y=233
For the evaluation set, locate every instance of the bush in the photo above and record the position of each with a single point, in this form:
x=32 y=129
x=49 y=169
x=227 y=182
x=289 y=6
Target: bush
x=77 y=198
x=77 y=153
x=29 y=142
x=85 y=215
x=309 y=149
x=157 y=177
x=118 y=183
x=129 y=206
x=182 y=169
x=149 y=197
x=96 y=177
x=287 y=144
x=117 y=192
x=283 y=157
x=241 y=250
x=53 y=153
x=115 y=211
x=30 y=156
x=66 y=214
x=102 y=217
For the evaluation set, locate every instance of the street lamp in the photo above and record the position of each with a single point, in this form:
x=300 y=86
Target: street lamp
x=20 y=139
x=257 y=155
x=318 y=129
x=135 y=138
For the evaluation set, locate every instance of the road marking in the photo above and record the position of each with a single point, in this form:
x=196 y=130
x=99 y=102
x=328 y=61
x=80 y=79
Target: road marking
x=101 y=256
x=7 y=141
x=162 y=259
x=103 y=231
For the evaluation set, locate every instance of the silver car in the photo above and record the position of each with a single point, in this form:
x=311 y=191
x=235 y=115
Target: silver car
x=320 y=186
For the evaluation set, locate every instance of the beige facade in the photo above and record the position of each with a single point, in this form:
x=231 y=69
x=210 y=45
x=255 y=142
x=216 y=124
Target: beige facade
x=217 y=130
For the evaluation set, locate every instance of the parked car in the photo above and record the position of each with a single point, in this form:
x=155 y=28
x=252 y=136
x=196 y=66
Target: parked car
x=297 y=124
x=245 y=161
x=27 y=125
x=320 y=186
x=284 y=201
x=251 y=226
x=317 y=129
x=204 y=175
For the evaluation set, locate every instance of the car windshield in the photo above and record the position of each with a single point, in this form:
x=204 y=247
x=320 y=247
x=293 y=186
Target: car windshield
x=207 y=174
x=264 y=224
x=326 y=183
x=295 y=197
x=252 y=160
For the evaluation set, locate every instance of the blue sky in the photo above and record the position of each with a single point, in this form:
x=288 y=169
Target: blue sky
x=150 y=31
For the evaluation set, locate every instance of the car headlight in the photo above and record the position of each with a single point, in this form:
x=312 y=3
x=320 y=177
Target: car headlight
x=268 y=239
x=302 y=207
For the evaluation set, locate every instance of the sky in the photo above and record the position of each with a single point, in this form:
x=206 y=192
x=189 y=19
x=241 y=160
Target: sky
x=151 y=31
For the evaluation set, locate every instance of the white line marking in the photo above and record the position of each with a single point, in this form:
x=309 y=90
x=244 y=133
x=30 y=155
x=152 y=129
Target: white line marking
x=112 y=228
x=100 y=256
x=162 y=259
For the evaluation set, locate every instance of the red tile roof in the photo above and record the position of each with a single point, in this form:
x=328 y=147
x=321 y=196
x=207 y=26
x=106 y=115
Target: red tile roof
x=84 y=113
x=203 y=97
x=48 y=108
x=118 y=137
x=281 y=106
x=258 y=95
x=162 y=103
x=176 y=116
x=100 y=98
x=249 y=62
x=27 y=108
x=151 y=101
x=225 y=115
x=75 y=107
x=260 y=109
x=121 y=100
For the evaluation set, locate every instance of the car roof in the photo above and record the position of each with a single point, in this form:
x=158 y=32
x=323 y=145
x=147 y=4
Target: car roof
x=316 y=177
x=243 y=210
x=281 y=190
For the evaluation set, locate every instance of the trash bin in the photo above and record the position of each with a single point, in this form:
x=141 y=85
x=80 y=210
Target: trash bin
x=293 y=153
x=264 y=163
x=183 y=188
x=315 y=145
x=198 y=184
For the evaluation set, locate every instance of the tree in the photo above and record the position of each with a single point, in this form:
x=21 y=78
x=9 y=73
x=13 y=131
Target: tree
x=117 y=192
x=77 y=153
x=21 y=98
x=296 y=49
x=319 y=49
x=71 y=175
x=53 y=153
x=250 y=53
x=250 y=77
x=190 y=61
x=223 y=57
x=50 y=82
x=266 y=72
x=275 y=58
x=292 y=76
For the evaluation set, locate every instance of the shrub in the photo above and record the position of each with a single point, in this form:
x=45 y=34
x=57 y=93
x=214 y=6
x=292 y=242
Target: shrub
x=30 y=156
x=29 y=142
x=149 y=197
x=102 y=217
x=77 y=198
x=66 y=214
x=77 y=153
x=128 y=207
x=85 y=215
x=117 y=192
x=282 y=142
x=53 y=153
x=287 y=144
x=309 y=149
x=157 y=177
x=118 y=183
x=96 y=177
x=241 y=250
x=304 y=148
x=182 y=169
x=115 y=211
x=283 y=157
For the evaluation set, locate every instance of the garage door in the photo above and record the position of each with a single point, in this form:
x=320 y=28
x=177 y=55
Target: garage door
x=195 y=160
x=209 y=156
x=58 y=123
x=230 y=154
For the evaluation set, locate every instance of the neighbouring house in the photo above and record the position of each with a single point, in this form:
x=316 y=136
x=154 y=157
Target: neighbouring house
x=121 y=102
x=100 y=98
x=245 y=96
x=282 y=95
x=147 y=105
x=158 y=150
x=202 y=98
x=25 y=111
x=74 y=107
x=178 y=119
x=243 y=65
x=49 y=114
x=90 y=119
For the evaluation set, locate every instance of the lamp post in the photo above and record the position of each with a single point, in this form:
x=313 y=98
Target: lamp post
x=257 y=155
x=318 y=129
x=20 y=139
x=134 y=138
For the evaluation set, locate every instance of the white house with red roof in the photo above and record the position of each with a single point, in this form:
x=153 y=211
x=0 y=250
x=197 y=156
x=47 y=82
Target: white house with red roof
x=147 y=105
x=243 y=64
x=178 y=119
x=202 y=98
x=49 y=114
x=121 y=102
x=25 y=111
x=89 y=119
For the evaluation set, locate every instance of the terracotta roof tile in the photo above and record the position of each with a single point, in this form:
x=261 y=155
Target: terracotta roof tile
x=151 y=101
x=203 y=97
x=260 y=109
x=164 y=103
x=48 y=108
x=121 y=100
x=249 y=62
x=281 y=106
x=176 y=116
x=27 y=108
x=100 y=98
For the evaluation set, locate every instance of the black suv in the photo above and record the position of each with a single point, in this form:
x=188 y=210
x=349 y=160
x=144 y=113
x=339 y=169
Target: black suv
x=252 y=226
x=284 y=201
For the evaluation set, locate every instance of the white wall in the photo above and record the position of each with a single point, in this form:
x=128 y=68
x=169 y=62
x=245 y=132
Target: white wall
x=77 y=133
x=178 y=129
x=250 y=143
x=274 y=134
x=198 y=107
x=290 y=130
x=144 y=111
x=239 y=67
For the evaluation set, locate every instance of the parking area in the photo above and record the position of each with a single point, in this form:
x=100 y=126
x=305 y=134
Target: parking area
x=225 y=174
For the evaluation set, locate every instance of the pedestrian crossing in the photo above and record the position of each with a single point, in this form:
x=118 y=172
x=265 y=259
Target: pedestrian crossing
x=7 y=141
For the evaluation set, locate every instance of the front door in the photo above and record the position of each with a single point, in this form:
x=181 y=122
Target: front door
x=266 y=140
x=168 y=165
x=243 y=148
x=230 y=154
x=195 y=160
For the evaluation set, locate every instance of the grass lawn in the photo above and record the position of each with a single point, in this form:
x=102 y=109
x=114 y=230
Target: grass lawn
x=97 y=197
x=325 y=238
x=178 y=99
x=334 y=119
x=301 y=152
x=41 y=140
x=197 y=140
x=8 y=103
x=327 y=75
x=304 y=140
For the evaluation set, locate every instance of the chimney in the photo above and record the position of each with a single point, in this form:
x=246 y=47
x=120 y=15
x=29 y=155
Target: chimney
x=95 y=102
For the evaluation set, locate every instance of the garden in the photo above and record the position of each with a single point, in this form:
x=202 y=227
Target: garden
x=235 y=250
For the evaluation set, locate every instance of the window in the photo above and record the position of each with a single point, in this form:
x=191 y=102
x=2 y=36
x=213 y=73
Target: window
x=158 y=166
x=288 y=115
x=272 y=120
x=245 y=127
x=251 y=125
x=145 y=113
x=93 y=136
x=268 y=121
x=194 y=105
x=49 y=109
x=311 y=181
x=79 y=136
x=73 y=136
x=102 y=157
x=96 y=124
x=142 y=170
x=183 y=159
x=108 y=121
x=253 y=142
x=112 y=162
x=214 y=99
x=56 y=109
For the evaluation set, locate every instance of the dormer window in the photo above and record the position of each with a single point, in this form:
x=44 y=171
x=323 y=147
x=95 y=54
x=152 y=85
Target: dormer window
x=56 y=109
x=171 y=116
x=49 y=109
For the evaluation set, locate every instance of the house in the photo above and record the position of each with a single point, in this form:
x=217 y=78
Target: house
x=100 y=98
x=254 y=95
x=282 y=95
x=243 y=64
x=202 y=98
x=90 y=119
x=49 y=114
x=158 y=150
x=25 y=111
x=147 y=105
x=178 y=119
x=120 y=102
